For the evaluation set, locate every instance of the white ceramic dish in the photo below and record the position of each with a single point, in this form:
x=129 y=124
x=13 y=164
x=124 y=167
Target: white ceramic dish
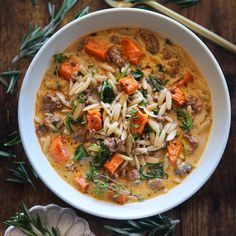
x=65 y=219
x=128 y=18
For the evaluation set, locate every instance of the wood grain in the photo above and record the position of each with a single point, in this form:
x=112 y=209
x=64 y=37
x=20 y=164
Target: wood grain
x=212 y=210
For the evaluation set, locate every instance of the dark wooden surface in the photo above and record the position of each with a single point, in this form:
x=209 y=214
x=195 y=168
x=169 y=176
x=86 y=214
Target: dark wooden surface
x=212 y=210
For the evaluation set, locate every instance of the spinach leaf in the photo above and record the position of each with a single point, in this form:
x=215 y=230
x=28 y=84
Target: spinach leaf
x=183 y=116
x=107 y=93
x=102 y=156
x=144 y=92
x=80 y=152
x=59 y=58
x=157 y=84
x=70 y=120
x=153 y=171
x=138 y=74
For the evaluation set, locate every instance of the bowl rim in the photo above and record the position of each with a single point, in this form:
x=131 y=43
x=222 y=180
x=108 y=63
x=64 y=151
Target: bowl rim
x=141 y=214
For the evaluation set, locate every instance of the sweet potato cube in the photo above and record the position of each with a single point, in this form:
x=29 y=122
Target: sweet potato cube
x=138 y=123
x=129 y=84
x=94 y=118
x=177 y=95
x=69 y=68
x=131 y=51
x=97 y=48
x=113 y=164
x=82 y=184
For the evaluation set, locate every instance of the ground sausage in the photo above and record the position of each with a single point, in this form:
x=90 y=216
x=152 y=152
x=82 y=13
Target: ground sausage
x=112 y=143
x=116 y=57
x=156 y=184
x=50 y=103
x=183 y=169
x=133 y=175
x=194 y=102
x=53 y=121
x=115 y=39
x=80 y=133
x=193 y=141
x=151 y=42
x=42 y=130
x=174 y=67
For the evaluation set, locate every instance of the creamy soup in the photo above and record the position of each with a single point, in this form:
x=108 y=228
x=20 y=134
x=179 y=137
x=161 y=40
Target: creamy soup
x=123 y=115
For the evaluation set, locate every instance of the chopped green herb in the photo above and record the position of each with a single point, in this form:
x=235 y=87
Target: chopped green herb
x=138 y=74
x=161 y=68
x=107 y=93
x=124 y=73
x=148 y=129
x=153 y=171
x=68 y=124
x=144 y=92
x=103 y=155
x=157 y=84
x=59 y=58
x=80 y=152
x=183 y=116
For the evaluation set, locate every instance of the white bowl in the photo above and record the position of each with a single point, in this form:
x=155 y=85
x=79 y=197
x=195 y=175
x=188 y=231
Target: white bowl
x=167 y=27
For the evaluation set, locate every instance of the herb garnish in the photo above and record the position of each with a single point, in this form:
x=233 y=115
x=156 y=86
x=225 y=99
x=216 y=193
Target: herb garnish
x=103 y=155
x=21 y=175
x=69 y=121
x=107 y=93
x=183 y=116
x=156 y=225
x=161 y=68
x=148 y=129
x=103 y=182
x=29 y=225
x=137 y=74
x=10 y=79
x=80 y=152
x=144 y=92
x=38 y=35
x=157 y=84
x=153 y=171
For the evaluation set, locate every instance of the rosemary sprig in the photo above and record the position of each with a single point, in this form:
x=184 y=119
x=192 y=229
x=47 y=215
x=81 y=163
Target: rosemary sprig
x=4 y=154
x=9 y=79
x=29 y=225
x=14 y=139
x=38 y=35
x=81 y=13
x=152 y=226
x=21 y=175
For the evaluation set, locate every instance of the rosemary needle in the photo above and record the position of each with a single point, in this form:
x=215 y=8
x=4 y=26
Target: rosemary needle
x=14 y=139
x=38 y=35
x=9 y=79
x=4 y=154
x=81 y=13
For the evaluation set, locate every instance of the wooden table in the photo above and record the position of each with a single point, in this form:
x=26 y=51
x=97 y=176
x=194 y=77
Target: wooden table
x=212 y=210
